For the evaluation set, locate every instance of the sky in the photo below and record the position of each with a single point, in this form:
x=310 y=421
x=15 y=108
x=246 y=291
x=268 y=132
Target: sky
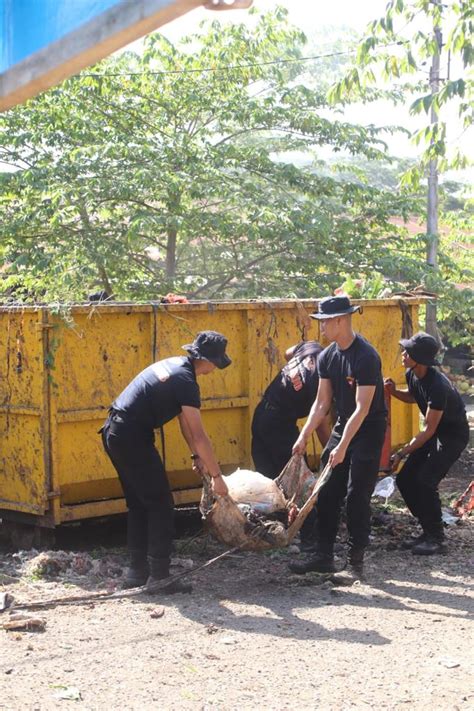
x=307 y=14
x=313 y=16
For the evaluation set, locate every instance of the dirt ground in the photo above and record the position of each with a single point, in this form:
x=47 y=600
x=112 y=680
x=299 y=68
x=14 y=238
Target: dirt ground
x=251 y=635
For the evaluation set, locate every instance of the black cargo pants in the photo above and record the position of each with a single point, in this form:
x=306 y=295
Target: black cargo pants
x=273 y=437
x=419 y=477
x=355 y=478
x=150 y=523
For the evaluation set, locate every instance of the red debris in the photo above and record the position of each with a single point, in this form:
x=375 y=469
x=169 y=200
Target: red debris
x=465 y=504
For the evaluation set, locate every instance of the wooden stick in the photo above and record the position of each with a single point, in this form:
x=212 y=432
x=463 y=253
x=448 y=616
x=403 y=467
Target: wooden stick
x=309 y=505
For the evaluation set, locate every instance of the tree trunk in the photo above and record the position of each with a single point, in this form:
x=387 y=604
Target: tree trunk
x=171 y=254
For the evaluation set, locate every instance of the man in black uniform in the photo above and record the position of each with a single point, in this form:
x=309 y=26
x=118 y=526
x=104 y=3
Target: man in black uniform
x=350 y=371
x=287 y=399
x=164 y=390
x=433 y=451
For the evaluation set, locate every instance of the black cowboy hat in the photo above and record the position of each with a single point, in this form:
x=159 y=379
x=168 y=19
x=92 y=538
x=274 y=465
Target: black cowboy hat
x=421 y=348
x=333 y=306
x=209 y=345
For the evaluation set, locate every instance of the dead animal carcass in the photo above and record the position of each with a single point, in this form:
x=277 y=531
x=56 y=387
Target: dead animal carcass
x=260 y=513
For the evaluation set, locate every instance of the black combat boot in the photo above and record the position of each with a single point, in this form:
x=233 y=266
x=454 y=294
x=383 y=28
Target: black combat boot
x=408 y=543
x=432 y=542
x=430 y=545
x=159 y=571
x=137 y=573
x=322 y=561
x=354 y=570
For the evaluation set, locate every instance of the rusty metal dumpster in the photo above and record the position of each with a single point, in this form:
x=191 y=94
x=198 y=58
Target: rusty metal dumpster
x=58 y=378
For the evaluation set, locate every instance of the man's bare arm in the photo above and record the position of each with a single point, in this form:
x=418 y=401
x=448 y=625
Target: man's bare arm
x=193 y=432
x=316 y=416
x=432 y=420
x=364 y=397
x=402 y=395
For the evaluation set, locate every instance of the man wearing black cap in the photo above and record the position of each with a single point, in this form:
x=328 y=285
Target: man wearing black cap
x=433 y=451
x=350 y=371
x=163 y=391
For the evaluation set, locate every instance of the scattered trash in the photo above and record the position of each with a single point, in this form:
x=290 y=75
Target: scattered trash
x=68 y=693
x=6 y=601
x=449 y=518
x=186 y=563
x=228 y=640
x=67 y=565
x=212 y=629
x=465 y=504
x=449 y=663
x=5 y=579
x=174 y=299
x=385 y=487
x=24 y=623
x=157 y=613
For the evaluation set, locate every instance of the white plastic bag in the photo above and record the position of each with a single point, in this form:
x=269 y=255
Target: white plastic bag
x=256 y=490
x=385 y=487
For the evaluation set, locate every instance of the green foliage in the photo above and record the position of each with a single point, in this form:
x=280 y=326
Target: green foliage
x=168 y=171
x=164 y=172
x=394 y=55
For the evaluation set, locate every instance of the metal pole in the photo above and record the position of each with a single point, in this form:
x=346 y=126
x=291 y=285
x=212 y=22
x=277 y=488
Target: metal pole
x=432 y=236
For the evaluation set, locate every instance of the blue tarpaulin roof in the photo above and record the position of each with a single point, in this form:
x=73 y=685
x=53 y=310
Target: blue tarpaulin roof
x=27 y=26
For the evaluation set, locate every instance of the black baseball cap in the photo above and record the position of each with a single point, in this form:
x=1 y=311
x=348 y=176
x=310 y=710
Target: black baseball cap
x=209 y=345
x=421 y=347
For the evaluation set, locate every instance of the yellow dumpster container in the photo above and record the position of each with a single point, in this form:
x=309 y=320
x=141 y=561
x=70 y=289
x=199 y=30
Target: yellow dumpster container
x=58 y=377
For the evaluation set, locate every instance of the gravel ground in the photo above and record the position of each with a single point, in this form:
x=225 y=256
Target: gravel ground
x=251 y=635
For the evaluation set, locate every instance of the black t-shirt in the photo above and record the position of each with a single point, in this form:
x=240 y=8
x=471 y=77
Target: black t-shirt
x=156 y=395
x=294 y=389
x=357 y=365
x=436 y=391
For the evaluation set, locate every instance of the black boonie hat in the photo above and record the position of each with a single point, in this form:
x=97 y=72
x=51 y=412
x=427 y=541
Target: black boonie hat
x=333 y=306
x=209 y=345
x=421 y=347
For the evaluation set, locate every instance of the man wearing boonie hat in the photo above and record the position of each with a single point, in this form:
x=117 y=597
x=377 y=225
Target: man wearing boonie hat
x=433 y=451
x=163 y=391
x=350 y=372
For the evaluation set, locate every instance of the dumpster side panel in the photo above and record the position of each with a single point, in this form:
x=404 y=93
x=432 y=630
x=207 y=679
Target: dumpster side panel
x=93 y=361
x=51 y=451
x=23 y=413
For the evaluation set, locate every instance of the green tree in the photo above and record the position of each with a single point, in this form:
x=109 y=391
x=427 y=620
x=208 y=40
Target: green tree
x=423 y=50
x=165 y=171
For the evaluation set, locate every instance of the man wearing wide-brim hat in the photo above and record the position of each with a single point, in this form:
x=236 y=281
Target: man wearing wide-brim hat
x=350 y=372
x=433 y=451
x=163 y=391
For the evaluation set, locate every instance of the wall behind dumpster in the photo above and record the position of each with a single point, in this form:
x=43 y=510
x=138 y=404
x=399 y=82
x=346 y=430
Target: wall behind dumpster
x=52 y=409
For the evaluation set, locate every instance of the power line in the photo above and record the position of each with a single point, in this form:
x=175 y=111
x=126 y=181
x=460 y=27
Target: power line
x=228 y=67
x=231 y=67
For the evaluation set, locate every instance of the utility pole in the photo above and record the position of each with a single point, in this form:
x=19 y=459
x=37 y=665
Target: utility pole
x=432 y=235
